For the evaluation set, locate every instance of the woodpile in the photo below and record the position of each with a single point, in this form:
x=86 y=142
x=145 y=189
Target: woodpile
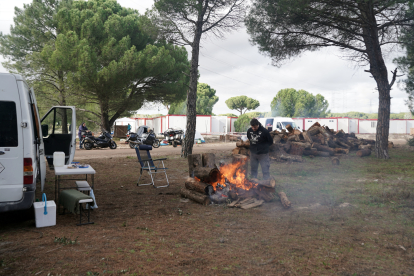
x=291 y=145
x=208 y=184
x=242 y=147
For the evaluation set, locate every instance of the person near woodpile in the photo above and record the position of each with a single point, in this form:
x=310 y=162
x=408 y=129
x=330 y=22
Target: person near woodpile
x=260 y=141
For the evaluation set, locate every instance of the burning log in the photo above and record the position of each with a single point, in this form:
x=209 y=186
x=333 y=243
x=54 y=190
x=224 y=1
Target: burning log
x=240 y=158
x=209 y=160
x=285 y=201
x=194 y=161
x=364 y=152
x=197 y=197
x=335 y=161
x=271 y=183
x=207 y=175
x=197 y=186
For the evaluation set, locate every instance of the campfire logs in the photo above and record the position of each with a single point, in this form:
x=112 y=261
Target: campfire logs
x=209 y=184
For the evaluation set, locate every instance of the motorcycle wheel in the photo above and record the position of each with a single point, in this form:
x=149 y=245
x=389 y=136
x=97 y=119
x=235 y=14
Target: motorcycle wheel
x=131 y=145
x=87 y=146
x=113 y=145
x=156 y=144
x=174 y=144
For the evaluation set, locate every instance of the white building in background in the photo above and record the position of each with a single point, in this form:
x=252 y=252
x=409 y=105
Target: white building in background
x=211 y=125
x=205 y=124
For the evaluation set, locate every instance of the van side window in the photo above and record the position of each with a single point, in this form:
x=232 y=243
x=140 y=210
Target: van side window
x=279 y=125
x=8 y=124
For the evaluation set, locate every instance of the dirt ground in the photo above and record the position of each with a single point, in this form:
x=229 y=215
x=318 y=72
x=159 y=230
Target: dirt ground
x=352 y=219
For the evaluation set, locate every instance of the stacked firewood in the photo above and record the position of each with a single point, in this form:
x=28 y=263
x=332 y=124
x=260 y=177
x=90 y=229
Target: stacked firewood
x=318 y=140
x=242 y=147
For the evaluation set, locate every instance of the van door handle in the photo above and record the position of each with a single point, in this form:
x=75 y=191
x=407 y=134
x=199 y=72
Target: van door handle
x=2 y=152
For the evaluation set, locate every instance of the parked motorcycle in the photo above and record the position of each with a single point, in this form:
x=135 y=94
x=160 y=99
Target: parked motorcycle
x=174 y=136
x=144 y=136
x=103 y=141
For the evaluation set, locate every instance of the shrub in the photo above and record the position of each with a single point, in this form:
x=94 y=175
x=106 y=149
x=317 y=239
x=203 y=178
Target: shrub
x=242 y=124
x=410 y=141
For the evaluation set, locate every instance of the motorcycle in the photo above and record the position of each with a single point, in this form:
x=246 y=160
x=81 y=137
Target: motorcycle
x=144 y=136
x=174 y=136
x=103 y=141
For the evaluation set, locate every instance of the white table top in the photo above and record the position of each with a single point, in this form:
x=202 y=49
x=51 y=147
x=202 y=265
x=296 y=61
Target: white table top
x=65 y=171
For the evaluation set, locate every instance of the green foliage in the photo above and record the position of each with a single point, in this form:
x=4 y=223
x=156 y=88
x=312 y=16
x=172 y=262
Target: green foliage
x=406 y=63
x=411 y=142
x=206 y=99
x=242 y=103
x=298 y=103
x=228 y=115
x=242 y=124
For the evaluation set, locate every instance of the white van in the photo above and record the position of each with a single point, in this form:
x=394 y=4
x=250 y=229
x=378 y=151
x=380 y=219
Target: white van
x=23 y=147
x=277 y=123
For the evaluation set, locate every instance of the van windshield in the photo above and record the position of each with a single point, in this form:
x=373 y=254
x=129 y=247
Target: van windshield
x=8 y=124
x=292 y=124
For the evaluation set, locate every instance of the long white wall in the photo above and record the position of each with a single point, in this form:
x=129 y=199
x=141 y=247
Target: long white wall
x=223 y=124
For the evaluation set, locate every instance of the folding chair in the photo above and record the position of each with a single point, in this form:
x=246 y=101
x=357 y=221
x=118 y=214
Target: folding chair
x=147 y=164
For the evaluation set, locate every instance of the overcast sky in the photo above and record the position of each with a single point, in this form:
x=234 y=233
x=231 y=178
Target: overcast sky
x=234 y=67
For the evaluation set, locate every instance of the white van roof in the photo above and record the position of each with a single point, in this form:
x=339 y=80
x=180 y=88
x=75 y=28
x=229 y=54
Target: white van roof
x=279 y=118
x=17 y=76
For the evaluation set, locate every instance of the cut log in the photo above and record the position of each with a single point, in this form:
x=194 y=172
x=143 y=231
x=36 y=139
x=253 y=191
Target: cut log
x=209 y=160
x=293 y=137
x=286 y=147
x=207 y=175
x=235 y=151
x=323 y=148
x=296 y=148
x=234 y=203
x=309 y=152
x=325 y=132
x=361 y=147
x=315 y=125
x=271 y=183
x=297 y=132
x=266 y=196
x=340 y=150
x=307 y=137
x=246 y=144
x=194 y=161
x=244 y=151
x=285 y=201
x=335 y=161
x=319 y=138
x=277 y=138
x=281 y=154
x=300 y=144
x=233 y=195
x=256 y=203
x=289 y=128
x=274 y=147
x=364 y=152
x=340 y=133
x=322 y=153
x=312 y=131
x=366 y=141
x=200 y=187
x=197 y=197
x=390 y=145
x=239 y=144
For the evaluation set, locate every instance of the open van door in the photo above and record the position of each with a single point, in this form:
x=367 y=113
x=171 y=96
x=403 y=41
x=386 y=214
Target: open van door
x=59 y=132
x=40 y=152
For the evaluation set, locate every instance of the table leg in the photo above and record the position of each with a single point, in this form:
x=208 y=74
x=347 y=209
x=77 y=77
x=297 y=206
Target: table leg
x=93 y=181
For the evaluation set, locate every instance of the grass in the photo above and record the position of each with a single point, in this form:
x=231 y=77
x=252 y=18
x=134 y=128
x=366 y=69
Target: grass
x=353 y=219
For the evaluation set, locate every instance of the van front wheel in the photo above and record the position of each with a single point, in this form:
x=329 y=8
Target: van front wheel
x=87 y=145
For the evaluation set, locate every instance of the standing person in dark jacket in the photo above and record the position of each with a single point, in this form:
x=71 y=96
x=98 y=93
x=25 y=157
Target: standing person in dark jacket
x=82 y=127
x=260 y=141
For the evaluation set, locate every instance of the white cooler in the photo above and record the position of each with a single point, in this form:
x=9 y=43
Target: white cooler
x=45 y=216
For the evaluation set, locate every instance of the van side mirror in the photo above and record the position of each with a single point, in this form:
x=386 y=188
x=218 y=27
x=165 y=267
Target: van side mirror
x=45 y=130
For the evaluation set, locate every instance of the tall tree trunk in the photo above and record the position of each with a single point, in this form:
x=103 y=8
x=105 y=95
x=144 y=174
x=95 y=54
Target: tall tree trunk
x=105 y=116
x=63 y=103
x=192 y=93
x=378 y=70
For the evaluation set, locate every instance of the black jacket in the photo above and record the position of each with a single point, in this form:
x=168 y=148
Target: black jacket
x=260 y=140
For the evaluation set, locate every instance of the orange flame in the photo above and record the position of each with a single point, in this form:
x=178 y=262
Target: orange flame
x=236 y=175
